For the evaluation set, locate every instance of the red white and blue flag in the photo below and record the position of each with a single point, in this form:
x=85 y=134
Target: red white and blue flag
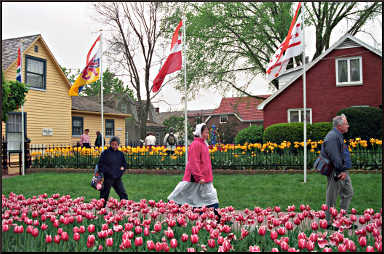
x=18 y=71
x=290 y=47
x=173 y=62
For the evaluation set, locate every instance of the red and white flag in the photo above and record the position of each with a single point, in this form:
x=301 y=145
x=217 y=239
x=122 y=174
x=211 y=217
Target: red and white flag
x=290 y=47
x=173 y=62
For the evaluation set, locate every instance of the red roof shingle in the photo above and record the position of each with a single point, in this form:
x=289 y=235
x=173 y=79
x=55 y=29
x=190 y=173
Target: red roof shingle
x=244 y=107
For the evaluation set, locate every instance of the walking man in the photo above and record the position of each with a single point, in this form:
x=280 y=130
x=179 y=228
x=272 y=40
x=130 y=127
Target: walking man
x=339 y=182
x=112 y=164
x=170 y=141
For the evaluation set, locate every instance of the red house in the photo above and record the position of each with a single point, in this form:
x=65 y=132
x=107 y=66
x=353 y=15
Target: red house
x=347 y=74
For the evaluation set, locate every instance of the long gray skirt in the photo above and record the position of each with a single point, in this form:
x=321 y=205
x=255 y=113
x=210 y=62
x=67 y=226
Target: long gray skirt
x=194 y=194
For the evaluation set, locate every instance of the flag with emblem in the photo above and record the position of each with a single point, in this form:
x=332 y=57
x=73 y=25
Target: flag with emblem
x=18 y=71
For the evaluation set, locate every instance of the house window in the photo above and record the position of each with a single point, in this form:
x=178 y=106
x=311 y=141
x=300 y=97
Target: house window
x=349 y=71
x=109 y=127
x=77 y=125
x=35 y=73
x=297 y=115
x=13 y=130
x=36 y=48
x=223 y=118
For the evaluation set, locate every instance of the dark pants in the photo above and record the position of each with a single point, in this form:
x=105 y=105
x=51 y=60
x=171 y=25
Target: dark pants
x=117 y=184
x=86 y=145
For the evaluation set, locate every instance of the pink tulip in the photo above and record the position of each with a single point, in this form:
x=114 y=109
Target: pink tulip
x=292 y=249
x=158 y=247
x=370 y=249
x=173 y=243
x=260 y=218
x=48 y=238
x=379 y=246
x=91 y=239
x=76 y=236
x=164 y=246
x=129 y=226
x=59 y=231
x=289 y=225
x=310 y=245
x=273 y=235
x=362 y=220
x=297 y=221
x=262 y=230
x=211 y=243
x=56 y=239
x=169 y=233
x=191 y=250
x=5 y=227
x=91 y=228
x=244 y=233
x=127 y=243
x=323 y=224
x=314 y=225
x=277 y=209
x=254 y=248
x=342 y=247
x=104 y=226
x=138 y=241
x=195 y=230
x=150 y=245
x=302 y=243
x=184 y=237
x=333 y=211
x=281 y=231
x=64 y=236
x=326 y=249
x=138 y=230
x=157 y=227
x=35 y=232
x=363 y=241
x=194 y=238
x=284 y=246
x=109 y=242
x=353 y=211
x=81 y=229
x=302 y=207
x=275 y=250
x=100 y=248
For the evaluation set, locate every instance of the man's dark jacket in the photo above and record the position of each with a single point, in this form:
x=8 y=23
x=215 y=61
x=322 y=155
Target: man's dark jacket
x=333 y=149
x=110 y=162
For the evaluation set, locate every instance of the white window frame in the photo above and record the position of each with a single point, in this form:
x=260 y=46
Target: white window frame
x=221 y=118
x=349 y=82
x=299 y=110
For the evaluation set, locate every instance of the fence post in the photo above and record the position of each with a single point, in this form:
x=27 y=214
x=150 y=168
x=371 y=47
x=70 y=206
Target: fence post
x=4 y=157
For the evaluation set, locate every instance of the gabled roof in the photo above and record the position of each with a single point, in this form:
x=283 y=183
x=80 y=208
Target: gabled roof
x=345 y=41
x=190 y=113
x=9 y=51
x=245 y=108
x=92 y=104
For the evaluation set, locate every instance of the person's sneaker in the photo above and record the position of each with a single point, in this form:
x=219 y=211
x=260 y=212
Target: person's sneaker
x=331 y=227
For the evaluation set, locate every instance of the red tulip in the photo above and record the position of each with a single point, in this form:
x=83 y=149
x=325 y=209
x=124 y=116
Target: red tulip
x=158 y=246
x=244 y=233
x=35 y=232
x=29 y=229
x=350 y=245
x=289 y=225
x=169 y=233
x=173 y=243
x=91 y=228
x=184 y=237
x=150 y=245
x=59 y=231
x=297 y=221
x=342 y=247
x=313 y=237
x=275 y=250
x=64 y=236
x=363 y=241
x=326 y=249
x=81 y=229
x=5 y=227
x=254 y=248
x=281 y=231
x=104 y=226
x=48 y=238
x=353 y=211
x=127 y=243
x=100 y=247
x=138 y=241
x=76 y=236
x=211 y=243
x=260 y=218
x=284 y=246
x=109 y=242
x=314 y=225
x=310 y=245
x=302 y=243
x=138 y=230
x=157 y=227
x=79 y=219
x=369 y=249
x=195 y=230
x=362 y=220
x=164 y=246
x=262 y=230
x=277 y=209
x=91 y=239
x=273 y=235
x=194 y=238
x=323 y=224
x=333 y=211
x=56 y=239
x=291 y=249
x=191 y=250
x=129 y=226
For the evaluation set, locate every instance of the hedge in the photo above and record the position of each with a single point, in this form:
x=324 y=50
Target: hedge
x=251 y=134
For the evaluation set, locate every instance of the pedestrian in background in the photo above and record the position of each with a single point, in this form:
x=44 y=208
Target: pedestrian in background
x=170 y=141
x=84 y=139
x=150 y=140
x=99 y=138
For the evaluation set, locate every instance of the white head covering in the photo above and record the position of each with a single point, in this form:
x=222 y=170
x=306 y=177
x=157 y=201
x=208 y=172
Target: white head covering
x=197 y=131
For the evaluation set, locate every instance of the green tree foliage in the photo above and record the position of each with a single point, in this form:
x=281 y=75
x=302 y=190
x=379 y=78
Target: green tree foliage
x=13 y=96
x=251 y=134
x=364 y=122
x=177 y=123
x=228 y=39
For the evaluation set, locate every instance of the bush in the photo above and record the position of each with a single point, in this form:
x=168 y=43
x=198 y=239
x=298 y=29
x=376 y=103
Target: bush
x=318 y=131
x=280 y=132
x=364 y=122
x=251 y=134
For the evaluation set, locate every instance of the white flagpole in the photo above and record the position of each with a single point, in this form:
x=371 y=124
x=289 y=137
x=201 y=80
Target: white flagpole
x=185 y=93
x=304 y=101
x=101 y=91
x=22 y=114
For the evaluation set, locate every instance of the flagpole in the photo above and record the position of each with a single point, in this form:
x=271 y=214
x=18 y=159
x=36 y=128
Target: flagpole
x=22 y=114
x=304 y=102
x=185 y=93
x=101 y=90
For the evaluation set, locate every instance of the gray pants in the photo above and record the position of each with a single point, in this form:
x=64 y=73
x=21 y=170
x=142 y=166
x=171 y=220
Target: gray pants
x=336 y=188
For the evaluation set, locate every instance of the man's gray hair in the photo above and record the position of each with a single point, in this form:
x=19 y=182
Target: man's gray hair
x=114 y=138
x=338 y=120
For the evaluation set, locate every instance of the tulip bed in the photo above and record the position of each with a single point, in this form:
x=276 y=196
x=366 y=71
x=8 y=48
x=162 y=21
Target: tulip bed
x=61 y=223
x=364 y=154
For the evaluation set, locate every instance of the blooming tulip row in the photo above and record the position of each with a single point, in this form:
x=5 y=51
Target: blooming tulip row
x=364 y=153
x=60 y=223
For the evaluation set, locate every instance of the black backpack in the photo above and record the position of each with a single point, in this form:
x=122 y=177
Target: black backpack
x=171 y=140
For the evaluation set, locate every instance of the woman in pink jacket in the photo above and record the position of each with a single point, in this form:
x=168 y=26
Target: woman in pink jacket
x=196 y=188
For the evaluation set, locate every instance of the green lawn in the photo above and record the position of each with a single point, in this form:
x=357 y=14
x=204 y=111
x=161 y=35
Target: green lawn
x=240 y=191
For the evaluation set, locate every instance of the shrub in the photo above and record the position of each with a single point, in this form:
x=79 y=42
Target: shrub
x=280 y=132
x=251 y=134
x=317 y=131
x=364 y=122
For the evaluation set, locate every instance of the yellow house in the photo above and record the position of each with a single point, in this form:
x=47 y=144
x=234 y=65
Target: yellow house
x=51 y=117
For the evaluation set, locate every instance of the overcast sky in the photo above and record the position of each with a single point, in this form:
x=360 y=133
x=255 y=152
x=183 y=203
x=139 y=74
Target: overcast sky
x=69 y=32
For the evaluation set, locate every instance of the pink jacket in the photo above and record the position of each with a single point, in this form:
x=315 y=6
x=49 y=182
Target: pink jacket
x=199 y=162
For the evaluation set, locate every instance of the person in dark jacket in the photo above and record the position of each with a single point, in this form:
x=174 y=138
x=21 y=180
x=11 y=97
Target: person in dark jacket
x=112 y=164
x=98 y=141
x=339 y=182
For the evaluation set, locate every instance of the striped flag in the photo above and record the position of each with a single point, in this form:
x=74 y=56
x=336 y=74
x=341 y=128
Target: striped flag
x=173 y=62
x=18 y=72
x=290 y=47
x=91 y=72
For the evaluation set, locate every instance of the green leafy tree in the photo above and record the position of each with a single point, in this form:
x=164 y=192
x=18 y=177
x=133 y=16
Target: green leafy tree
x=231 y=39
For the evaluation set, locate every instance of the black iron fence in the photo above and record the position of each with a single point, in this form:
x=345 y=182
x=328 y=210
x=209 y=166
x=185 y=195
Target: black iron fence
x=63 y=156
